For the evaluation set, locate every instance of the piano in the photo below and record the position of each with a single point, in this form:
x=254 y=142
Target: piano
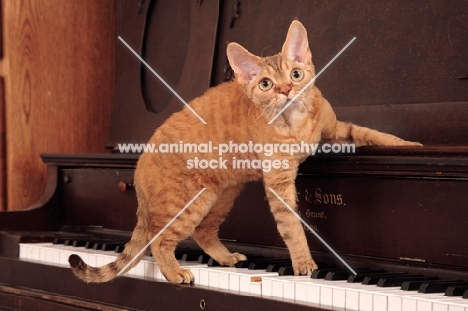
x=397 y=216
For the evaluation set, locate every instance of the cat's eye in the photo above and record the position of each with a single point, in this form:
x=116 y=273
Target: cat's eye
x=265 y=84
x=297 y=74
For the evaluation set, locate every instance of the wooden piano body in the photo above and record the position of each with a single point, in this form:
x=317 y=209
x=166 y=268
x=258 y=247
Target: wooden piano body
x=398 y=208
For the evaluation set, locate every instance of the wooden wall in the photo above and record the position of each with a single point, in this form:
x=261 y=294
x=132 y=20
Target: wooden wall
x=59 y=67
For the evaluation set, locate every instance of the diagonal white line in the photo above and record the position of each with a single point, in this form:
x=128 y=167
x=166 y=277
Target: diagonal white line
x=160 y=232
x=162 y=80
x=312 y=230
x=312 y=81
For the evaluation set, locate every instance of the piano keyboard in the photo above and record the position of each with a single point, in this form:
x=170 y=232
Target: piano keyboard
x=335 y=295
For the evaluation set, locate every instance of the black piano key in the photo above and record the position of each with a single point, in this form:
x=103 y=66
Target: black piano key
x=79 y=243
x=243 y=264
x=119 y=248
x=68 y=242
x=179 y=253
x=192 y=256
x=321 y=273
x=374 y=279
x=274 y=267
x=203 y=258
x=359 y=278
x=68 y=239
x=398 y=281
x=90 y=244
x=344 y=274
x=286 y=271
x=95 y=243
x=59 y=241
x=433 y=287
x=213 y=263
x=456 y=290
x=465 y=295
x=263 y=264
x=110 y=246
x=412 y=285
x=250 y=259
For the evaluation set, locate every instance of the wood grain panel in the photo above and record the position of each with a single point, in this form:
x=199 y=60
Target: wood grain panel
x=59 y=85
x=2 y=146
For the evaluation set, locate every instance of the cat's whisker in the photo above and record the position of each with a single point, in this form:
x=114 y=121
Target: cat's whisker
x=271 y=112
x=261 y=114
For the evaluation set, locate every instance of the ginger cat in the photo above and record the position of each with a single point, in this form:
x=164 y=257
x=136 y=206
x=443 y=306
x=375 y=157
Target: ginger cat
x=236 y=111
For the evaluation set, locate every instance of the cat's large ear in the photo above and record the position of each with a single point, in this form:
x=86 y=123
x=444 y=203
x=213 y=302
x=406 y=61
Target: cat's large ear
x=244 y=64
x=296 y=46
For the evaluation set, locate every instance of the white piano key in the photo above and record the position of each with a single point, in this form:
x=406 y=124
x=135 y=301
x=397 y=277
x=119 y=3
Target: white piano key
x=204 y=277
x=408 y=304
x=326 y=295
x=139 y=269
x=29 y=251
x=92 y=259
x=338 y=294
x=149 y=269
x=65 y=254
x=277 y=288
x=313 y=291
x=25 y=251
x=255 y=288
x=423 y=305
x=301 y=292
x=352 y=299
x=339 y=298
x=223 y=278
x=52 y=256
x=213 y=279
x=267 y=287
x=289 y=288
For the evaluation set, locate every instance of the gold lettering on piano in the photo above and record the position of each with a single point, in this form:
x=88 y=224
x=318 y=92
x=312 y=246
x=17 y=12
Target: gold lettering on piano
x=313 y=226
x=311 y=214
x=319 y=197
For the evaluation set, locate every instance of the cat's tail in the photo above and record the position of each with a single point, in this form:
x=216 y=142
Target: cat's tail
x=130 y=256
x=112 y=270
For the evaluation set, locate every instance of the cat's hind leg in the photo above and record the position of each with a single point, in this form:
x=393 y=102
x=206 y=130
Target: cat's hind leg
x=206 y=234
x=181 y=228
x=163 y=253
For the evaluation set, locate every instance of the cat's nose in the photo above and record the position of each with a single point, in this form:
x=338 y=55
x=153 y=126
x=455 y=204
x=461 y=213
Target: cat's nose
x=284 y=89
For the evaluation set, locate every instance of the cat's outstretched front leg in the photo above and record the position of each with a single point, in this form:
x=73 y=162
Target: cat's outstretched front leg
x=289 y=227
x=363 y=136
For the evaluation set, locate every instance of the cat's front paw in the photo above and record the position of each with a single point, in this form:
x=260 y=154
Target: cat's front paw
x=180 y=276
x=231 y=259
x=304 y=268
